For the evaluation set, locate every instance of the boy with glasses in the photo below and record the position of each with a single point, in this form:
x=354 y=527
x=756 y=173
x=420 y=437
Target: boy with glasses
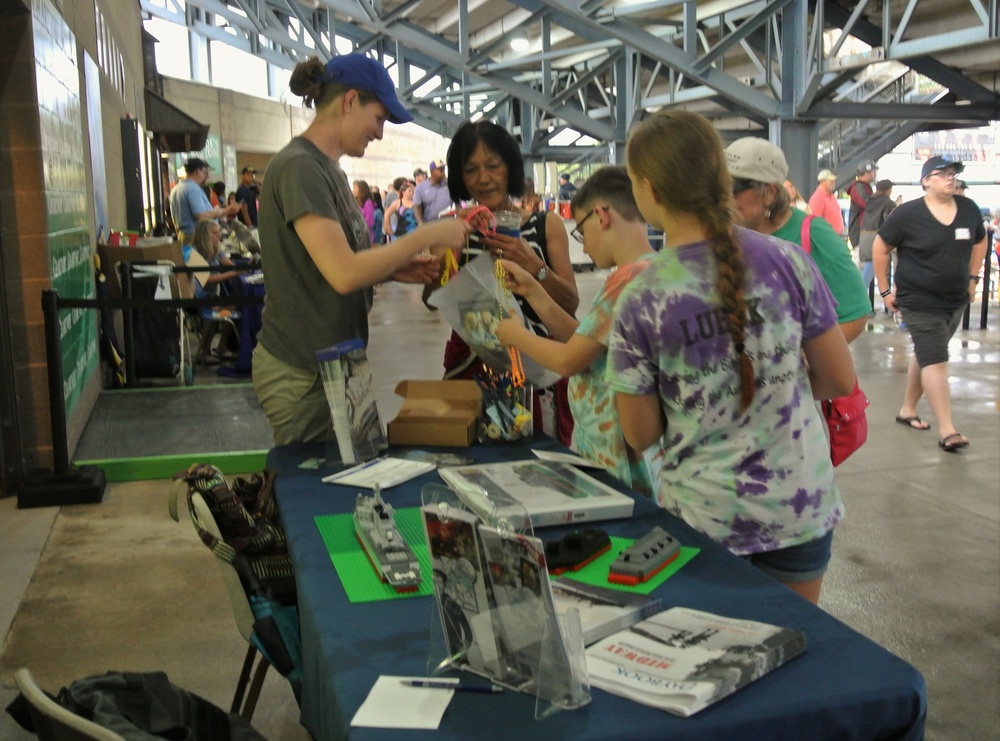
x=613 y=233
x=941 y=243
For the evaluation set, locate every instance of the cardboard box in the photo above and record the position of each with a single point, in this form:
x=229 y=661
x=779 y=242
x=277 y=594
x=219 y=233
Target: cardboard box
x=444 y=413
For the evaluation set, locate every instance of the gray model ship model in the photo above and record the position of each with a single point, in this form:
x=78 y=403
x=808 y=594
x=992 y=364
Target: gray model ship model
x=387 y=551
x=645 y=558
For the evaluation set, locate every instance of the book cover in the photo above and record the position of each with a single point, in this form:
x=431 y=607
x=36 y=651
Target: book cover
x=683 y=660
x=347 y=383
x=532 y=649
x=462 y=589
x=549 y=492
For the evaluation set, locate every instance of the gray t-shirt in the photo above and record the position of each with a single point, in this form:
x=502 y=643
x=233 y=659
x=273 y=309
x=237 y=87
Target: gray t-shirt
x=433 y=199
x=302 y=312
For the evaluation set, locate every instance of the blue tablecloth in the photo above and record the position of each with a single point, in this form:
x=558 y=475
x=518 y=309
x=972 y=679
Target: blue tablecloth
x=844 y=687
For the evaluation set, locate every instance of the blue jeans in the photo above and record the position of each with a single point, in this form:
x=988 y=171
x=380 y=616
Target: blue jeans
x=867 y=273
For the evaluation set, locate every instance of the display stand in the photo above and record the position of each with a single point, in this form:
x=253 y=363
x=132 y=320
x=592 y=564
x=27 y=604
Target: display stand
x=494 y=614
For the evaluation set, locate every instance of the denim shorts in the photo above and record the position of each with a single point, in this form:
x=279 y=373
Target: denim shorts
x=797 y=563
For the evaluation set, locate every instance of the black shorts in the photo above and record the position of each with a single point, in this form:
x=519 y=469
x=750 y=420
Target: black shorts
x=930 y=334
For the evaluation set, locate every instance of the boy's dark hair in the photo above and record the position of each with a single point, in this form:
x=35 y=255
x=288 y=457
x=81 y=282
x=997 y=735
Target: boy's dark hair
x=609 y=186
x=219 y=188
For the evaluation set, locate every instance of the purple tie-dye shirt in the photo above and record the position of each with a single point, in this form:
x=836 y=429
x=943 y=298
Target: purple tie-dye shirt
x=754 y=481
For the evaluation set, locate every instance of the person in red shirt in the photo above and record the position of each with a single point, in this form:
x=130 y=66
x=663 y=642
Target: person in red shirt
x=823 y=201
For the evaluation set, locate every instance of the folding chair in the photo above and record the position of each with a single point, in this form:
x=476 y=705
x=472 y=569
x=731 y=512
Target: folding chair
x=244 y=699
x=52 y=721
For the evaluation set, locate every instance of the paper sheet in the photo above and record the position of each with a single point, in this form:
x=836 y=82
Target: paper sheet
x=392 y=704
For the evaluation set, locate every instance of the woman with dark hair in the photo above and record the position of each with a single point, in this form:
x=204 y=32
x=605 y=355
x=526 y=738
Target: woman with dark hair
x=717 y=349
x=319 y=267
x=399 y=218
x=486 y=166
x=363 y=195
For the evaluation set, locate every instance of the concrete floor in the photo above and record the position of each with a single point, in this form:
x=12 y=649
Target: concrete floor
x=916 y=563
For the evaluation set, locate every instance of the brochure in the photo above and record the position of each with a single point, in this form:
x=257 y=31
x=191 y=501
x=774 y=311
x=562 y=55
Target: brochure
x=384 y=472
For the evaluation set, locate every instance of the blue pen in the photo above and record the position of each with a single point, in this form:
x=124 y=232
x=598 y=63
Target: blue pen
x=457 y=686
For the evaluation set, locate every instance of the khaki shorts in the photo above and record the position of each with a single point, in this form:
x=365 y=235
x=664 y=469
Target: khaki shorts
x=292 y=399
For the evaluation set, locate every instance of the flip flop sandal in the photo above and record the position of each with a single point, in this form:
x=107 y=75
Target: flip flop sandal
x=909 y=422
x=952 y=443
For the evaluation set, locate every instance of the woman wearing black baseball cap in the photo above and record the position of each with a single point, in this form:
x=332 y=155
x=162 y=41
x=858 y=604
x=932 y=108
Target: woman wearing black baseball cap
x=315 y=246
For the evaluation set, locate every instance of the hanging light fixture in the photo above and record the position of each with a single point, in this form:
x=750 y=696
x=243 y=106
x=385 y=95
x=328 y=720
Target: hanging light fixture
x=519 y=41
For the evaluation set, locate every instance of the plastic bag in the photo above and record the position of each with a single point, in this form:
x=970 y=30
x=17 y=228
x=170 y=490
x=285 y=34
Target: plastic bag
x=469 y=304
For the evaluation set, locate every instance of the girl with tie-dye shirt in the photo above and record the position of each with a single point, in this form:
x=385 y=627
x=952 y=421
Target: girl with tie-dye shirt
x=717 y=352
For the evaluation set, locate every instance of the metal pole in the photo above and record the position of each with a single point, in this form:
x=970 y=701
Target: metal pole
x=987 y=280
x=128 y=325
x=57 y=403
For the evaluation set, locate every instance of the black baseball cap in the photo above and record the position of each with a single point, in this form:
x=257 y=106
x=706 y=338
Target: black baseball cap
x=934 y=164
x=194 y=164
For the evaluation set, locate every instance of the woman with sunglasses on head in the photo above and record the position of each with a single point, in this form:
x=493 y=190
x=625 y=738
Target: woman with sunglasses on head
x=316 y=253
x=486 y=166
x=759 y=169
x=716 y=351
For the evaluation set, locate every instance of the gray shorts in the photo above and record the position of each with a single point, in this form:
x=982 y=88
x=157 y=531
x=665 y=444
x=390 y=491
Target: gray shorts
x=930 y=334
x=293 y=400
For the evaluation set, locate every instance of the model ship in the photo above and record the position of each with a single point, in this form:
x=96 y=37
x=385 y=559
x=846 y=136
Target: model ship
x=645 y=558
x=387 y=551
x=576 y=550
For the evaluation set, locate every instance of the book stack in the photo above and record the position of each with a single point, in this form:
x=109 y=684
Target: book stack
x=602 y=611
x=683 y=660
x=347 y=383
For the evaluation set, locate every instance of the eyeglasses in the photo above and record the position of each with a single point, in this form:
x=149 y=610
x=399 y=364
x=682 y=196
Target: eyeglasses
x=576 y=233
x=742 y=184
x=946 y=174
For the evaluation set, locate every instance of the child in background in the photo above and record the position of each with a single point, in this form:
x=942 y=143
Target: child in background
x=706 y=358
x=613 y=234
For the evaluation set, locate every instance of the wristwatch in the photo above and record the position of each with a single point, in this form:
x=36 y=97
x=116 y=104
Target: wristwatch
x=974 y=278
x=542 y=274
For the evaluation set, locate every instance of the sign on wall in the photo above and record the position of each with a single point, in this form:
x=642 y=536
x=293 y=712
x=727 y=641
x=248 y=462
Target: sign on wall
x=57 y=80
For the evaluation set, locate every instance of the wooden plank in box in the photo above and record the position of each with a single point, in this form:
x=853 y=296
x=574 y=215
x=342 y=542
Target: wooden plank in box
x=436 y=413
